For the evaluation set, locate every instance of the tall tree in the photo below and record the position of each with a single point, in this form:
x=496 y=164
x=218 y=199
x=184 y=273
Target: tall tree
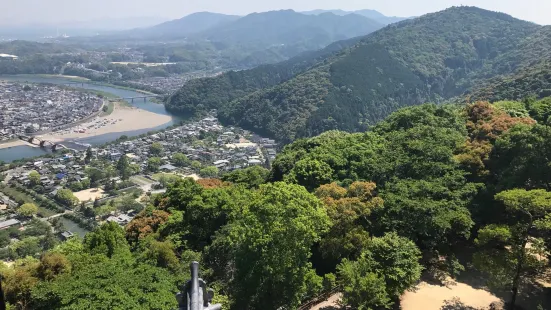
x=66 y=197
x=181 y=160
x=349 y=210
x=88 y=156
x=156 y=149
x=108 y=239
x=34 y=178
x=27 y=210
x=510 y=252
x=123 y=167
x=386 y=269
x=269 y=245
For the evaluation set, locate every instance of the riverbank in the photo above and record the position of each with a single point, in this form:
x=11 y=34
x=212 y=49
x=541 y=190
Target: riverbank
x=13 y=143
x=122 y=119
x=73 y=78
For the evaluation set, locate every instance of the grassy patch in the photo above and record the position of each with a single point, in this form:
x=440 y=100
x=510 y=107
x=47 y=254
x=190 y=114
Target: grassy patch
x=43 y=212
x=110 y=107
x=157 y=176
x=17 y=195
x=141 y=180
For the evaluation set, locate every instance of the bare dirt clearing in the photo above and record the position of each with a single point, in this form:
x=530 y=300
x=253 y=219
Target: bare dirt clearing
x=89 y=194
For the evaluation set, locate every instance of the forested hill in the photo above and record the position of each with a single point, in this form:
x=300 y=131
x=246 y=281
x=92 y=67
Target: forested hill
x=289 y=27
x=431 y=58
x=531 y=76
x=187 y=25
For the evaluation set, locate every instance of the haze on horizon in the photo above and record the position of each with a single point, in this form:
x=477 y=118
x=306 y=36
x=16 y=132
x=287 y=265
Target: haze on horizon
x=20 y=12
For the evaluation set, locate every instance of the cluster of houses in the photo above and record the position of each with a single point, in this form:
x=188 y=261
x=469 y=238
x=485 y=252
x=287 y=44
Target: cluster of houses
x=169 y=84
x=34 y=108
x=55 y=173
x=230 y=151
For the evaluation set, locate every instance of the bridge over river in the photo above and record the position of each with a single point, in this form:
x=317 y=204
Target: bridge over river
x=42 y=143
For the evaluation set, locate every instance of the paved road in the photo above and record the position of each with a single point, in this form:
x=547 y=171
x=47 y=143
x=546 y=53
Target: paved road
x=45 y=219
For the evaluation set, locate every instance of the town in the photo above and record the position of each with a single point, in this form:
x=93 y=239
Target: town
x=73 y=192
x=32 y=108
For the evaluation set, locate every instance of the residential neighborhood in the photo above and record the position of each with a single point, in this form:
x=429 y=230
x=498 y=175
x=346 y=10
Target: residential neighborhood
x=30 y=108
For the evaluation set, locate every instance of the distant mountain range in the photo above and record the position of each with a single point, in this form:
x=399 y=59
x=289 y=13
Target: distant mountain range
x=251 y=40
x=266 y=26
x=371 y=14
x=194 y=23
x=462 y=51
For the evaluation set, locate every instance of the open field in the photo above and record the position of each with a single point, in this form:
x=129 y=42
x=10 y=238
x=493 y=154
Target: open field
x=89 y=194
x=141 y=181
x=157 y=176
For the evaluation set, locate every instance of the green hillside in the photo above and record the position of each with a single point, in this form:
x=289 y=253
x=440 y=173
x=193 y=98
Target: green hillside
x=531 y=76
x=431 y=58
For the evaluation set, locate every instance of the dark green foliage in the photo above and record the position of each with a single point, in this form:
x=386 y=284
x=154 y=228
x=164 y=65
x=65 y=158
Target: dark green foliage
x=109 y=240
x=251 y=177
x=269 y=244
x=386 y=269
x=520 y=157
x=100 y=283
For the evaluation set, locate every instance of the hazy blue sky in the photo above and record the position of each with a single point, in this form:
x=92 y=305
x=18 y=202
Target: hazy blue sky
x=25 y=11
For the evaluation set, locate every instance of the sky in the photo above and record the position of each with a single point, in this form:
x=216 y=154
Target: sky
x=59 y=11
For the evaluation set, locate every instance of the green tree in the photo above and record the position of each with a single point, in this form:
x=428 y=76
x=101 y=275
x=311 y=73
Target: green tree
x=108 y=239
x=29 y=246
x=97 y=282
x=123 y=167
x=75 y=186
x=53 y=265
x=88 y=156
x=311 y=174
x=135 y=169
x=269 y=245
x=196 y=164
x=510 y=253
x=160 y=254
x=385 y=270
x=153 y=164
x=210 y=171
x=19 y=283
x=66 y=197
x=95 y=175
x=251 y=177
x=180 y=160
x=156 y=149
x=34 y=178
x=350 y=212
x=85 y=183
x=518 y=158
x=27 y=210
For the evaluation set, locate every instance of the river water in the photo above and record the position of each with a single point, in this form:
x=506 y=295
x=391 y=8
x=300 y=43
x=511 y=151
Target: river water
x=24 y=151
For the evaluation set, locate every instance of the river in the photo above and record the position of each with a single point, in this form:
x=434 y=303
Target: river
x=24 y=151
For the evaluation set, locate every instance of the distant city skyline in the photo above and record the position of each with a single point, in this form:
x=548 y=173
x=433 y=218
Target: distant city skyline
x=20 y=12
